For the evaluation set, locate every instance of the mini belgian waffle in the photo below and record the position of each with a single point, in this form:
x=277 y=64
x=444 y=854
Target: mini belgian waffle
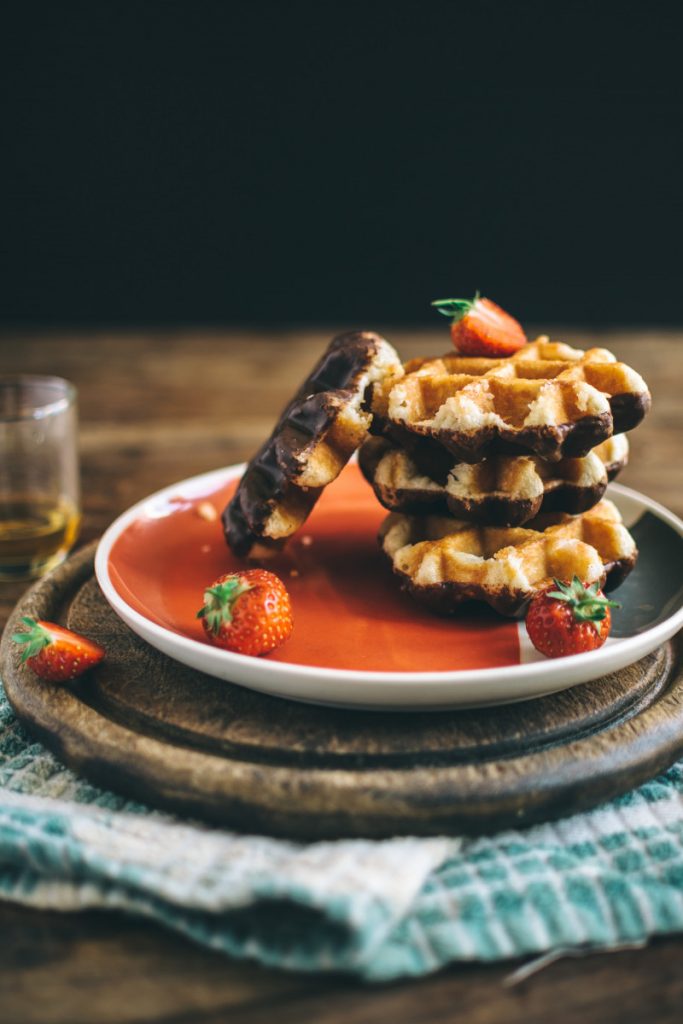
x=548 y=399
x=502 y=490
x=445 y=562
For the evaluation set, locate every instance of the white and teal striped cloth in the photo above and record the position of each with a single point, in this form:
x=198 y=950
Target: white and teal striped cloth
x=381 y=910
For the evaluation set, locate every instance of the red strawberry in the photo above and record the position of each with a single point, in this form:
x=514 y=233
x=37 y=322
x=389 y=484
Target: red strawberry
x=570 y=619
x=481 y=328
x=247 y=612
x=56 y=653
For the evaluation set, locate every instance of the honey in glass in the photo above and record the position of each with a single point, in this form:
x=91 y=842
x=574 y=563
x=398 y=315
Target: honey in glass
x=39 y=489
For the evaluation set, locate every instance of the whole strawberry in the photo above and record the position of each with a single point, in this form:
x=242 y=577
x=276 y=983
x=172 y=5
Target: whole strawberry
x=247 y=612
x=55 y=653
x=481 y=328
x=570 y=619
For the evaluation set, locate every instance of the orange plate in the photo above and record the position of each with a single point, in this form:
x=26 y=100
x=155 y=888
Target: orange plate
x=349 y=612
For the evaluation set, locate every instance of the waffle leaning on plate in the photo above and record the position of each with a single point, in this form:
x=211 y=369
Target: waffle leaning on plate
x=315 y=436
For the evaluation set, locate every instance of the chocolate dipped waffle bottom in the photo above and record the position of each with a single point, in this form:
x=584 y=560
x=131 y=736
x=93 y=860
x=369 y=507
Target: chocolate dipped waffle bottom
x=547 y=399
x=445 y=563
x=312 y=441
x=502 y=490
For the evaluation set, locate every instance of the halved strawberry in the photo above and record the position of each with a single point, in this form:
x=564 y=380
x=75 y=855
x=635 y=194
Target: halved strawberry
x=481 y=328
x=55 y=653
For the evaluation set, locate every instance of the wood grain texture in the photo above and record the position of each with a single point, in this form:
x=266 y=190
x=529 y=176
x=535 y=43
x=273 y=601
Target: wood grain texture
x=97 y=968
x=160 y=732
x=157 y=407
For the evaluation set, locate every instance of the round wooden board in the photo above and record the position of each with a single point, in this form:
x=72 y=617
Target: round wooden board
x=164 y=734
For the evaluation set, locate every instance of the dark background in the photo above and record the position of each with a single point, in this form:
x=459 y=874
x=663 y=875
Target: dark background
x=340 y=163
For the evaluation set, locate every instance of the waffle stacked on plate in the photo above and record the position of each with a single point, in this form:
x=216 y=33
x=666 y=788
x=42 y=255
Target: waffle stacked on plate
x=494 y=471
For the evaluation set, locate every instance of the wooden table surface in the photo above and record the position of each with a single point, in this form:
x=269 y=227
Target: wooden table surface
x=157 y=407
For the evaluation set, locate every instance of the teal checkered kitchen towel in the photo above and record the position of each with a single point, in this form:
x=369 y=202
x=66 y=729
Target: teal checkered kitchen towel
x=381 y=910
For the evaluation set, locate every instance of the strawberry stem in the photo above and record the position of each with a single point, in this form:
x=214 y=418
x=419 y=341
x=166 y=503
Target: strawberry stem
x=219 y=602
x=586 y=603
x=455 y=309
x=35 y=639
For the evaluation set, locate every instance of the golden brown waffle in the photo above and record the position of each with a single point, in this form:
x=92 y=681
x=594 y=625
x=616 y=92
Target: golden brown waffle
x=311 y=443
x=547 y=399
x=445 y=562
x=502 y=490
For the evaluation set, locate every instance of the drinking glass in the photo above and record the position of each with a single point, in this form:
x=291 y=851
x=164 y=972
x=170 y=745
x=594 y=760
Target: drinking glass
x=39 y=485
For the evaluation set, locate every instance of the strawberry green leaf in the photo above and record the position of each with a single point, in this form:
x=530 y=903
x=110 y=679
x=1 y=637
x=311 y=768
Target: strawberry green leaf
x=455 y=309
x=34 y=640
x=219 y=603
x=586 y=603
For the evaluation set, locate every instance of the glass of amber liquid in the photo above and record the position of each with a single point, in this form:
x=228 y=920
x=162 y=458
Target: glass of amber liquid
x=39 y=485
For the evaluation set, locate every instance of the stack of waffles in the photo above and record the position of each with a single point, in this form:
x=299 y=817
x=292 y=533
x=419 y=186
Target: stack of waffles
x=494 y=472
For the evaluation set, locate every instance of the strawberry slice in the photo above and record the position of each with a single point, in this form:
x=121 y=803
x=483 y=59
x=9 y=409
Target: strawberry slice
x=481 y=328
x=55 y=653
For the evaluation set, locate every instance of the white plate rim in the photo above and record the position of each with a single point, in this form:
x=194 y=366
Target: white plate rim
x=374 y=688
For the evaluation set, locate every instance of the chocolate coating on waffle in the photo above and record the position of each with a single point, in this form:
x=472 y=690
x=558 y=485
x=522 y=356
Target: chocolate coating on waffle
x=629 y=409
x=459 y=598
x=567 y=440
x=314 y=437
